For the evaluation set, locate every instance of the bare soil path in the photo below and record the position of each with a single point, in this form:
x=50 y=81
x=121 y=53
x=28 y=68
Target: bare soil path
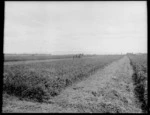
x=110 y=90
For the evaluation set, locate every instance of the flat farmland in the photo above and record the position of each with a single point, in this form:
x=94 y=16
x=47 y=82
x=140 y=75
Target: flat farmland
x=29 y=57
x=90 y=84
x=40 y=81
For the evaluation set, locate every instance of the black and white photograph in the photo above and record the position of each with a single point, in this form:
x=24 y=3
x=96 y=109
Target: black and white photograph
x=75 y=57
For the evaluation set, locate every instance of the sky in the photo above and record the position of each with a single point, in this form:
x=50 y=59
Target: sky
x=98 y=27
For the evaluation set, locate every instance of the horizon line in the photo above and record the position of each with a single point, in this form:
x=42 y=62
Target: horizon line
x=75 y=53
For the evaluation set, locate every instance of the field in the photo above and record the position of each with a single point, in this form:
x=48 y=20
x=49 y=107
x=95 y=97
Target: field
x=139 y=63
x=90 y=84
x=43 y=80
x=27 y=57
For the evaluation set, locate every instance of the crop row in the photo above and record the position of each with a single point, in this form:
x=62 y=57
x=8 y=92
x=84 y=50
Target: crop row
x=43 y=80
x=139 y=63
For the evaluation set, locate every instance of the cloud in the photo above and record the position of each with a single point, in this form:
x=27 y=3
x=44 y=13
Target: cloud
x=75 y=26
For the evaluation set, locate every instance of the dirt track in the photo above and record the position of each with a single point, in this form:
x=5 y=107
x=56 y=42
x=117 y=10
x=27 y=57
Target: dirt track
x=109 y=90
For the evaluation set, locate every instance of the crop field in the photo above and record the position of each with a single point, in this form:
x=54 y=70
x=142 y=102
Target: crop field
x=44 y=80
x=27 y=57
x=139 y=63
x=93 y=84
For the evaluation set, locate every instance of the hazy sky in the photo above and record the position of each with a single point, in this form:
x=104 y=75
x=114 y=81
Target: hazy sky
x=75 y=27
